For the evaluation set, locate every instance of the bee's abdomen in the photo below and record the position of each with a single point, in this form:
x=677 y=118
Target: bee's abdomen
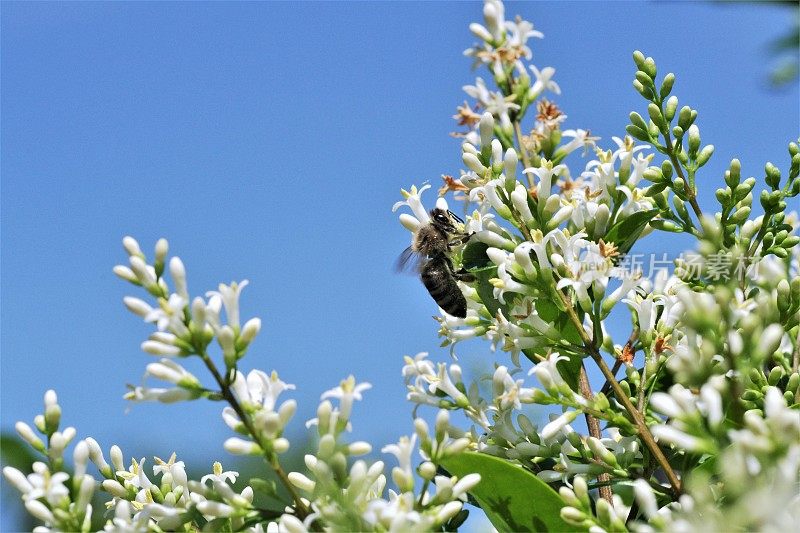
x=443 y=288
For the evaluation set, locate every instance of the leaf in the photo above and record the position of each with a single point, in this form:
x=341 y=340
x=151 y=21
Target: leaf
x=625 y=232
x=218 y=524
x=474 y=255
x=571 y=368
x=17 y=453
x=512 y=498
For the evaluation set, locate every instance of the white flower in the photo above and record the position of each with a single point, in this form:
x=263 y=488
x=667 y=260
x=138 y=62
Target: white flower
x=479 y=91
x=418 y=369
x=507 y=391
x=548 y=374
x=259 y=389
x=230 y=299
x=219 y=476
x=413 y=199
x=501 y=106
x=402 y=474
x=170 y=315
x=635 y=201
x=519 y=31
x=135 y=475
x=625 y=151
x=580 y=139
x=346 y=392
x=646 y=311
x=172 y=471
x=545 y=172
x=543 y=82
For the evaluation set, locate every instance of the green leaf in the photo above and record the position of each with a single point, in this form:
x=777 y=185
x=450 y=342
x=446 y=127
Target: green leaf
x=474 y=255
x=219 y=524
x=17 y=453
x=570 y=369
x=512 y=498
x=625 y=232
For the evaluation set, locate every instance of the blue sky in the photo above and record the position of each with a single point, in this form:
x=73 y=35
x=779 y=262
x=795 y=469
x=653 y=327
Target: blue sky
x=268 y=141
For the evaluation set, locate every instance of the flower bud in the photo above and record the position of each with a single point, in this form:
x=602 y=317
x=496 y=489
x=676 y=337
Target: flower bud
x=162 y=248
x=52 y=411
x=510 y=162
x=301 y=481
x=131 y=246
x=685 y=117
x=249 y=331
x=27 y=434
x=80 y=458
x=213 y=508
x=474 y=164
x=427 y=470
x=694 y=139
x=126 y=274
x=486 y=129
x=572 y=516
x=225 y=337
x=705 y=154
x=480 y=32
x=116 y=458
x=237 y=446
x=280 y=445
x=670 y=108
x=178 y=273
x=39 y=511
x=449 y=510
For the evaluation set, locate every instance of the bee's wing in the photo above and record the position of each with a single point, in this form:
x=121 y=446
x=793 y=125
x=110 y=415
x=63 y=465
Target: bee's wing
x=409 y=261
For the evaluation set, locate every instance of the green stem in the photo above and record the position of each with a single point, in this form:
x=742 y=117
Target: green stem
x=691 y=191
x=270 y=458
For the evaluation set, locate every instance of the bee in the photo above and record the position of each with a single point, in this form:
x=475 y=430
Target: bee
x=430 y=252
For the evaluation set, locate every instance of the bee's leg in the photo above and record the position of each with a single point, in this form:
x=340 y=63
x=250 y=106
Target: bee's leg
x=463 y=275
x=461 y=239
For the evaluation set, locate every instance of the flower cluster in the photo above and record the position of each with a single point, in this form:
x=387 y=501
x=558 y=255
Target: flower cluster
x=694 y=426
x=711 y=346
x=335 y=493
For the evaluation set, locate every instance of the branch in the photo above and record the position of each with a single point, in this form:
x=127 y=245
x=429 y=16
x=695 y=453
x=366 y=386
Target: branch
x=642 y=429
x=271 y=458
x=594 y=431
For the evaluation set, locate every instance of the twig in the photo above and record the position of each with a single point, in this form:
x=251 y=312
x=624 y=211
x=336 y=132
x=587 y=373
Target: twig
x=302 y=508
x=642 y=429
x=523 y=152
x=594 y=431
x=691 y=191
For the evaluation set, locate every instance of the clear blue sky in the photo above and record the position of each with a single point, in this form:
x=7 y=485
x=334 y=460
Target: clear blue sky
x=268 y=141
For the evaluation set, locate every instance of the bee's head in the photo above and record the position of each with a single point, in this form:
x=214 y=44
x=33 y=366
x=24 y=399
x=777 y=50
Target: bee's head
x=445 y=220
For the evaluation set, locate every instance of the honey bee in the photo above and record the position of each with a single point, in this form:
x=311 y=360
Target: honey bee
x=430 y=253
